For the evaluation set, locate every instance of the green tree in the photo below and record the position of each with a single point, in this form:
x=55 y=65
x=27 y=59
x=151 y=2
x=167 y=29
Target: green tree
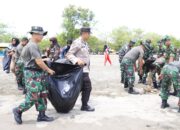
x=74 y=18
x=4 y=35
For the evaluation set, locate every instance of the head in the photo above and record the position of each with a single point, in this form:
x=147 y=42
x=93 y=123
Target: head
x=15 y=41
x=53 y=41
x=147 y=46
x=69 y=42
x=85 y=33
x=24 y=41
x=159 y=43
x=167 y=40
x=132 y=43
x=148 y=41
x=37 y=33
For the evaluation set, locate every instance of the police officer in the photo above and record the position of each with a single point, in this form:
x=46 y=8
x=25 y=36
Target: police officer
x=35 y=71
x=128 y=63
x=19 y=66
x=122 y=52
x=170 y=74
x=79 y=54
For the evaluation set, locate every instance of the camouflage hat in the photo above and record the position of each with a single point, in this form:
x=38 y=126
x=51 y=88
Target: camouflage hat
x=133 y=41
x=160 y=62
x=147 y=46
x=148 y=41
x=165 y=38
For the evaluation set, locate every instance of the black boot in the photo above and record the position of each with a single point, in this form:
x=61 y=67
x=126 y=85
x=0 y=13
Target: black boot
x=87 y=108
x=140 y=79
x=164 y=104
x=125 y=85
x=131 y=91
x=174 y=93
x=155 y=85
x=43 y=117
x=144 y=81
x=17 y=116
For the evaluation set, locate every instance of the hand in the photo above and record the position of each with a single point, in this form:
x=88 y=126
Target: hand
x=160 y=77
x=51 y=72
x=80 y=62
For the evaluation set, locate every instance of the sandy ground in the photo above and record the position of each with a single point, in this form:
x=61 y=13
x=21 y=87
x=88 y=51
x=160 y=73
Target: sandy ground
x=115 y=109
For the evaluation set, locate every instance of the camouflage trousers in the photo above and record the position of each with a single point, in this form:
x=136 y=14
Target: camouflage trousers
x=36 y=86
x=19 y=73
x=170 y=76
x=127 y=71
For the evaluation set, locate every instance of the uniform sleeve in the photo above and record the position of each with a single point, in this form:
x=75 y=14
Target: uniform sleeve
x=75 y=47
x=173 y=54
x=35 y=52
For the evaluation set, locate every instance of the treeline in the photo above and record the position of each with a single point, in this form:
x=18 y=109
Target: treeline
x=76 y=17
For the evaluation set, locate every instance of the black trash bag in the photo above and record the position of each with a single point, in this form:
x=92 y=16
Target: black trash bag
x=65 y=86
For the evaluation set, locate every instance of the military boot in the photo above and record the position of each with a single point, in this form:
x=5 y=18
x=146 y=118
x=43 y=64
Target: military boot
x=87 y=108
x=155 y=85
x=164 y=104
x=174 y=93
x=17 y=116
x=131 y=91
x=42 y=117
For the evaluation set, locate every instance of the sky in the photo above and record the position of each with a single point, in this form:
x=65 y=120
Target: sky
x=159 y=16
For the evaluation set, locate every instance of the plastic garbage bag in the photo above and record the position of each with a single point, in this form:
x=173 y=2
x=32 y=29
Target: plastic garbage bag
x=65 y=86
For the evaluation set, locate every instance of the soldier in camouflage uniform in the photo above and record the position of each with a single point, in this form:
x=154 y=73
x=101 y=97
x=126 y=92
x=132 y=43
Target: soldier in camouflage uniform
x=122 y=52
x=19 y=66
x=170 y=74
x=157 y=66
x=148 y=56
x=161 y=49
x=128 y=63
x=169 y=54
x=35 y=72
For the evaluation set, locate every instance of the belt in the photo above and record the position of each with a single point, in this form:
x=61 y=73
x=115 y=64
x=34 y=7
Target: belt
x=33 y=69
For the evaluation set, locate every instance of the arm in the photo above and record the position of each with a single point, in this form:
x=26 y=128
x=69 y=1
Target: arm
x=43 y=66
x=140 y=62
x=75 y=47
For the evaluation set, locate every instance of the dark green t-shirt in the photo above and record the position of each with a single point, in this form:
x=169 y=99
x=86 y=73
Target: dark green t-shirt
x=29 y=53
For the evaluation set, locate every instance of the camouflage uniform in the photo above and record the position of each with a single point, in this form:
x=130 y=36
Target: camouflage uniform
x=169 y=52
x=147 y=54
x=170 y=74
x=157 y=66
x=127 y=65
x=161 y=51
x=35 y=82
x=122 y=53
x=19 y=67
x=36 y=85
x=127 y=69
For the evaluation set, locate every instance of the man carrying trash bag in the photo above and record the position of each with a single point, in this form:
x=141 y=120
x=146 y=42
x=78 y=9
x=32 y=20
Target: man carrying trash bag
x=78 y=54
x=35 y=72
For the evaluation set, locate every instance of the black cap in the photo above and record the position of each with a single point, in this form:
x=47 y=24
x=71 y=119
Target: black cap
x=38 y=30
x=85 y=29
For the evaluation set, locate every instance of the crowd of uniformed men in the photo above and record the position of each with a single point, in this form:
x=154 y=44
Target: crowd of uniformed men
x=142 y=58
x=31 y=71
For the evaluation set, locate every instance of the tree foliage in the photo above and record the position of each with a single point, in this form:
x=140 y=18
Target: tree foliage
x=75 y=18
